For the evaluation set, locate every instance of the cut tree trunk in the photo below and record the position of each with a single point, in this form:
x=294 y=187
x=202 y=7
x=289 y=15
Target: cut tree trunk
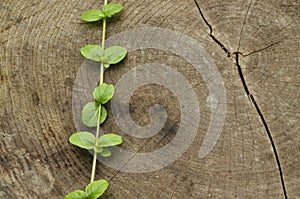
x=255 y=46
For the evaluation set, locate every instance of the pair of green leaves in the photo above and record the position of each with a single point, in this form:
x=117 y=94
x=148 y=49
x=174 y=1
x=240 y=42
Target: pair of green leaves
x=87 y=141
x=102 y=94
x=111 y=55
x=108 y=10
x=92 y=191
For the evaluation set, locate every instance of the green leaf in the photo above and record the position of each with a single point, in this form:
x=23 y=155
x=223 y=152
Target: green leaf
x=93 y=52
x=95 y=189
x=90 y=114
x=92 y=15
x=106 y=153
x=114 y=54
x=98 y=149
x=107 y=140
x=103 y=93
x=78 y=194
x=83 y=140
x=103 y=114
x=112 y=9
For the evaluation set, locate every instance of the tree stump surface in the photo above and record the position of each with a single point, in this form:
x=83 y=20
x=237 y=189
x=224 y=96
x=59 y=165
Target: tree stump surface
x=255 y=46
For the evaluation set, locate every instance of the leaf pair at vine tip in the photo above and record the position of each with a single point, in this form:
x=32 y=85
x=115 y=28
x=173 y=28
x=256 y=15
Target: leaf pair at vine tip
x=111 y=55
x=102 y=94
x=92 y=191
x=87 y=140
x=107 y=11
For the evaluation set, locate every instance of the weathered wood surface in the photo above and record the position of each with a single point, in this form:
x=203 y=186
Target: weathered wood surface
x=39 y=59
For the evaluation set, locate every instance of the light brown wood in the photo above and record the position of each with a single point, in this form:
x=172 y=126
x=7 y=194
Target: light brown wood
x=39 y=59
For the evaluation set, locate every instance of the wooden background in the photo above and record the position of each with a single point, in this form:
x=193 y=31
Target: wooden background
x=39 y=59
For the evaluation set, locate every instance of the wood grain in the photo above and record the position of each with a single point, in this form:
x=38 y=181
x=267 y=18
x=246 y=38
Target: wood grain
x=39 y=59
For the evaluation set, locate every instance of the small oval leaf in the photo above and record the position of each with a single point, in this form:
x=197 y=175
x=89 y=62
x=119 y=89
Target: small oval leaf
x=93 y=52
x=95 y=189
x=106 y=153
x=78 y=194
x=83 y=140
x=103 y=114
x=114 y=54
x=103 y=93
x=111 y=9
x=98 y=149
x=107 y=140
x=92 y=15
x=90 y=114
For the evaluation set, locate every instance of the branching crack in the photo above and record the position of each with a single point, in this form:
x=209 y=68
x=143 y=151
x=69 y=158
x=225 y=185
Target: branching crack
x=211 y=31
x=250 y=96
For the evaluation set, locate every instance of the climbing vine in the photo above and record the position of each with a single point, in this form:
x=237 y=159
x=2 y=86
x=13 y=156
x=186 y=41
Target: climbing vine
x=94 y=113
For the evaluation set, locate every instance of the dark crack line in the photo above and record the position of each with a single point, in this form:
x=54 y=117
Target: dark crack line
x=259 y=50
x=250 y=96
x=211 y=31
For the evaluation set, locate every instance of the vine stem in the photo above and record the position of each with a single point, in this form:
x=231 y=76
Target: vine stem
x=99 y=109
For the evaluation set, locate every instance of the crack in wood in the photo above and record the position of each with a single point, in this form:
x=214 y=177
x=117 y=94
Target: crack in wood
x=211 y=31
x=259 y=50
x=258 y=110
x=250 y=96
